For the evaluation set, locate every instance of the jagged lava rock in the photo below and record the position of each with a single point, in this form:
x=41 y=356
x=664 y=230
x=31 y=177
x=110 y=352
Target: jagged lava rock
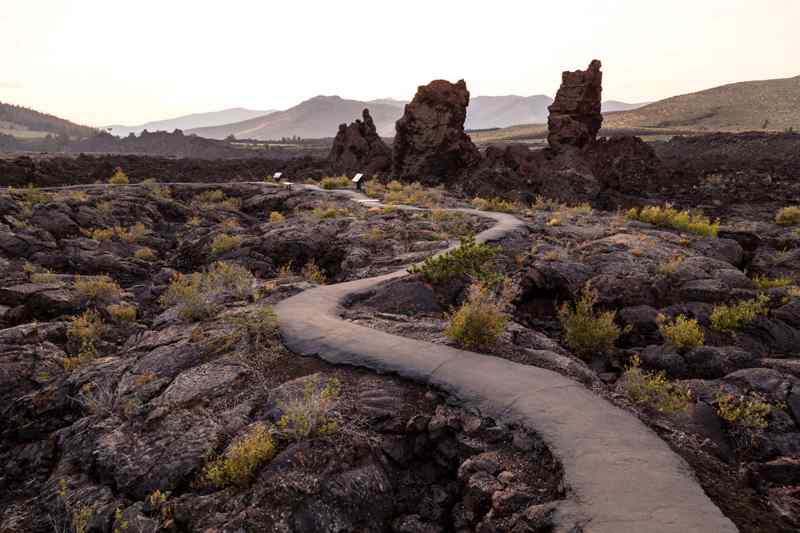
x=430 y=145
x=575 y=116
x=357 y=147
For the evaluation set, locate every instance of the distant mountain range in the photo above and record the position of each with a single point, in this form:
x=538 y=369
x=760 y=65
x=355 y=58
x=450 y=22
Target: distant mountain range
x=314 y=118
x=187 y=122
x=320 y=116
x=751 y=105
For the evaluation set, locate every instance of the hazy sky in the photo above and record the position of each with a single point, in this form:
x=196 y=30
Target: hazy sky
x=100 y=62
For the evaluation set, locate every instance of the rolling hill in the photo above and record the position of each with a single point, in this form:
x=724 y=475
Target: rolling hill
x=314 y=118
x=748 y=105
x=502 y=111
x=771 y=105
x=187 y=122
x=22 y=122
x=610 y=106
x=320 y=116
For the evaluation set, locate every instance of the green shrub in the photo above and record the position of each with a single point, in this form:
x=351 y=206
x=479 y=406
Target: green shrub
x=145 y=254
x=86 y=330
x=276 y=217
x=394 y=186
x=122 y=312
x=541 y=203
x=229 y=224
x=329 y=210
x=671 y=266
x=77 y=197
x=119 y=178
x=439 y=216
x=788 y=216
x=763 y=282
x=225 y=243
x=412 y=194
x=312 y=273
x=654 y=390
x=44 y=277
x=99 y=234
x=215 y=199
x=190 y=294
x=470 y=258
x=340 y=182
x=240 y=463
x=96 y=289
x=197 y=296
x=732 y=318
x=32 y=195
x=494 y=204
x=450 y=224
x=480 y=321
x=310 y=415
x=750 y=412
x=587 y=331
x=156 y=191
x=682 y=332
x=252 y=332
x=669 y=217
x=78 y=517
x=374 y=188
x=285 y=271
x=231 y=278
x=131 y=234
x=105 y=207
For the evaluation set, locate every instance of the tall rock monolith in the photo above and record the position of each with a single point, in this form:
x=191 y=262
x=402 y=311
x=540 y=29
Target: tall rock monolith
x=430 y=145
x=575 y=115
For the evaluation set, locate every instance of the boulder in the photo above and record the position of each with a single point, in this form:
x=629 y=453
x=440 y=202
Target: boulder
x=704 y=362
x=575 y=116
x=430 y=145
x=357 y=147
x=626 y=164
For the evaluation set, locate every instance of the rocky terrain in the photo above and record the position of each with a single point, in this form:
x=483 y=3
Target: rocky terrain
x=123 y=385
x=357 y=147
x=46 y=171
x=145 y=385
x=639 y=272
x=430 y=145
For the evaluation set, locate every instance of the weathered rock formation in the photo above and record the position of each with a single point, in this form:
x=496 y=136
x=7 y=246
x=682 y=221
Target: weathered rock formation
x=358 y=148
x=430 y=145
x=575 y=116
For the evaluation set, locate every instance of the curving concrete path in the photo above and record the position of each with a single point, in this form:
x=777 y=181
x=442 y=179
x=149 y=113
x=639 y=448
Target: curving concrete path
x=622 y=477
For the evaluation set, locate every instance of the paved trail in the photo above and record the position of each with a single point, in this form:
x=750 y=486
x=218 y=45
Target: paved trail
x=622 y=476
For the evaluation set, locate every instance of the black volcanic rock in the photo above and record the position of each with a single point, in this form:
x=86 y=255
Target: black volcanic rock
x=575 y=116
x=430 y=145
x=357 y=147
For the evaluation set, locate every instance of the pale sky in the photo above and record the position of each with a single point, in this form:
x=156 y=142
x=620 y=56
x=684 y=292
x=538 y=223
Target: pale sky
x=101 y=62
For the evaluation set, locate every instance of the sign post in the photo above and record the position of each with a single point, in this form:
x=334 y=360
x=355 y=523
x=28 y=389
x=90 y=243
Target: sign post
x=357 y=180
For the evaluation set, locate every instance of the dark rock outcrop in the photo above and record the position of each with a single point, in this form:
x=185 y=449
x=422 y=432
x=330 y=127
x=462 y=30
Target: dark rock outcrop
x=358 y=148
x=626 y=164
x=430 y=145
x=575 y=116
